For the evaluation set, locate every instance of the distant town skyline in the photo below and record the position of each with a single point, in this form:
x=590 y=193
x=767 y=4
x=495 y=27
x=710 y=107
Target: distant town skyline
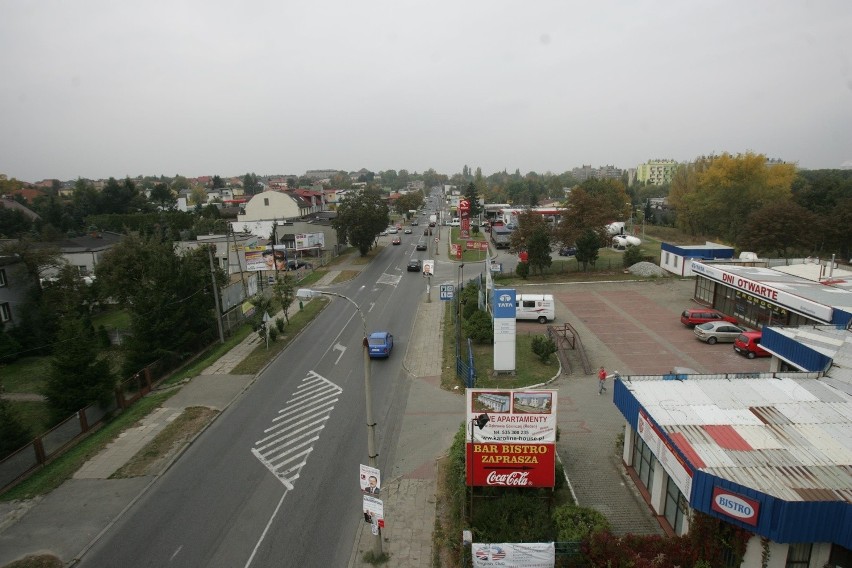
x=93 y=89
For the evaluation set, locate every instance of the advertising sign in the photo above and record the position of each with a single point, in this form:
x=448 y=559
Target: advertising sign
x=428 y=267
x=503 y=304
x=266 y=258
x=514 y=416
x=676 y=469
x=370 y=480
x=736 y=506
x=476 y=245
x=514 y=555
x=310 y=240
x=511 y=465
x=774 y=295
x=374 y=508
x=464 y=218
x=456 y=251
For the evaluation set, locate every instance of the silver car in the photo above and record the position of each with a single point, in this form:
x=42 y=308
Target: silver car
x=717 y=331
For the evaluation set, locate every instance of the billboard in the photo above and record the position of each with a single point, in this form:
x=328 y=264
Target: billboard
x=310 y=240
x=265 y=258
x=513 y=415
x=464 y=218
x=513 y=554
x=511 y=465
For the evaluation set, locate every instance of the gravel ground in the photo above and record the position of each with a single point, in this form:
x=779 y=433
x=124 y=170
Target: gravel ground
x=647 y=269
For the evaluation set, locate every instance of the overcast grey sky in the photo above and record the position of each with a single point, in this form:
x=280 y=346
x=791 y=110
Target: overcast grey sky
x=100 y=88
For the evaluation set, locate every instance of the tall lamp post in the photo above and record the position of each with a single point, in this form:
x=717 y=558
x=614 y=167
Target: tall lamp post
x=307 y=293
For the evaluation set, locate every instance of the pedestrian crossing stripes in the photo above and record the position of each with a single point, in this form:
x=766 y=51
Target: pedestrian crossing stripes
x=287 y=443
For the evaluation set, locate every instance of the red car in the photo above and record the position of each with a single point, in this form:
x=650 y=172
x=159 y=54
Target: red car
x=693 y=317
x=396 y=240
x=748 y=344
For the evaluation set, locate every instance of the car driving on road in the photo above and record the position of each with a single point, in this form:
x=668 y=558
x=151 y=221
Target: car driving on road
x=414 y=265
x=381 y=344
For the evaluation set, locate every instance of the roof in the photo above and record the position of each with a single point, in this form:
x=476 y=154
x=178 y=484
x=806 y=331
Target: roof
x=783 y=439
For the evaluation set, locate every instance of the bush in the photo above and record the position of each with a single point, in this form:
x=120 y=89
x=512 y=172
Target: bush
x=632 y=255
x=575 y=523
x=273 y=333
x=543 y=347
x=523 y=270
x=478 y=327
x=279 y=325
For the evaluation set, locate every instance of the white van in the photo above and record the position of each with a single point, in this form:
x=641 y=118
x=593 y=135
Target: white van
x=535 y=307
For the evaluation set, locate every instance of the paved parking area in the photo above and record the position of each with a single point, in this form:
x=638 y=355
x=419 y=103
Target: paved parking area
x=635 y=328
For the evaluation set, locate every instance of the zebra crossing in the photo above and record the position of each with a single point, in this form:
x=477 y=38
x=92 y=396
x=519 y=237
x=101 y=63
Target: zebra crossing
x=287 y=443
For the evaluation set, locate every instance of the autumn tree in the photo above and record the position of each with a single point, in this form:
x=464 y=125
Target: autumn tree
x=781 y=228
x=471 y=193
x=717 y=194
x=538 y=248
x=360 y=218
x=591 y=206
x=529 y=223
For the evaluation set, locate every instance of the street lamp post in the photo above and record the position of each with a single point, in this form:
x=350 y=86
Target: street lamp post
x=306 y=293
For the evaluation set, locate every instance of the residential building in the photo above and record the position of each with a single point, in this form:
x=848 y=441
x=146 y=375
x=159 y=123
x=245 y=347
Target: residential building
x=15 y=284
x=656 y=172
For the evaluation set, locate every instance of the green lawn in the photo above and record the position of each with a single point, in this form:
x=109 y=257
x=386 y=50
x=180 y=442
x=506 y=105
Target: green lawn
x=27 y=375
x=112 y=319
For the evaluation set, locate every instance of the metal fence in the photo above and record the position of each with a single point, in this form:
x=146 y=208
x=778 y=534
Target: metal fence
x=46 y=447
x=465 y=368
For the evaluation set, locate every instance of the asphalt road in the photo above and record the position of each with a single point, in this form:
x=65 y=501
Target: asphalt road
x=274 y=481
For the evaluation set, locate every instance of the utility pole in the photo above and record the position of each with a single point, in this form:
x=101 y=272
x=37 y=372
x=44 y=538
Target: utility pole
x=216 y=293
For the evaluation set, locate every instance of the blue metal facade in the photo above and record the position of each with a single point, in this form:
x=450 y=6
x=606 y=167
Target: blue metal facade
x=805 y=357
x=709 y=253
x=778 y=520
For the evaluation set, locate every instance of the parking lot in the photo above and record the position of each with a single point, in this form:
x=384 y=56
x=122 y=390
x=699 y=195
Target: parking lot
x=635 y=327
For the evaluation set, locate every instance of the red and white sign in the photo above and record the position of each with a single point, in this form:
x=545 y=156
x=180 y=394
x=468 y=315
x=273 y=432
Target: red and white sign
x=513 y=555
x=765 y=291
x=665 y=454
x=476 y=245
x=511 y=465
x=736 y=506
x=464 y=218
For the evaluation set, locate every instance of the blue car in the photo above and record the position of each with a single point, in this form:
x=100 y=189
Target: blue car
x=381 y=344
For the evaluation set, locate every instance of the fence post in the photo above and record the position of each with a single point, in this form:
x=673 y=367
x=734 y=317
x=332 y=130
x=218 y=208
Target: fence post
x=84 y=424
x=39 y=450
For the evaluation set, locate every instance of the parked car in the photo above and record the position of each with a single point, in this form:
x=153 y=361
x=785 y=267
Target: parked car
x=384 y=233
x=693 y=317
x=297 y=263
x=716 y=331
x=415 y=265
x=396 y=241
x=748 y=344
x=567 y=251
x=381 y=344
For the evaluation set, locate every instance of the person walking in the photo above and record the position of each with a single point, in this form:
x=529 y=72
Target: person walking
x=602 y=380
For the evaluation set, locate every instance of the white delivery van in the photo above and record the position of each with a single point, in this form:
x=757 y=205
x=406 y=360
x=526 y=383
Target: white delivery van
x=535 y=307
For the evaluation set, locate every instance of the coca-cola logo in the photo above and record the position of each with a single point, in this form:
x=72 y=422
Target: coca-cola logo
x=516 y=478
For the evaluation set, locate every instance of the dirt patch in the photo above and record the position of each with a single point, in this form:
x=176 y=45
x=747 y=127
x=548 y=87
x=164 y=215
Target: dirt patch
x=345 y=276
x=446 y=527
x=151 y=459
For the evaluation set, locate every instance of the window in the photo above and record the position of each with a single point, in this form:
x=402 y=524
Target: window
x=82 y=271
x=266 y=201
x=2 y=277
x=799 y=555
x=5 y=312
x=643 y=461
x=675 y=506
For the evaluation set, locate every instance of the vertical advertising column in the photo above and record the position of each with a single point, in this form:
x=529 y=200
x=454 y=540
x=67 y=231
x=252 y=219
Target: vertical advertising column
x=504 y=329
x=464 y=218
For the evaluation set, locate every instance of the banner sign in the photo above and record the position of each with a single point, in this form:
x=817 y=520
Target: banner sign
x=476 y=245
x=511 y=465
x=265 y=258
x=514 y=555
x=677 y=470
x=513 y=415
x=764 y=291
x=310 y=240
x=456 y=250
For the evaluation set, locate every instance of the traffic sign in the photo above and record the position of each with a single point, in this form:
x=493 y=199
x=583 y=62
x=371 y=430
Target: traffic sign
x=448 y=291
